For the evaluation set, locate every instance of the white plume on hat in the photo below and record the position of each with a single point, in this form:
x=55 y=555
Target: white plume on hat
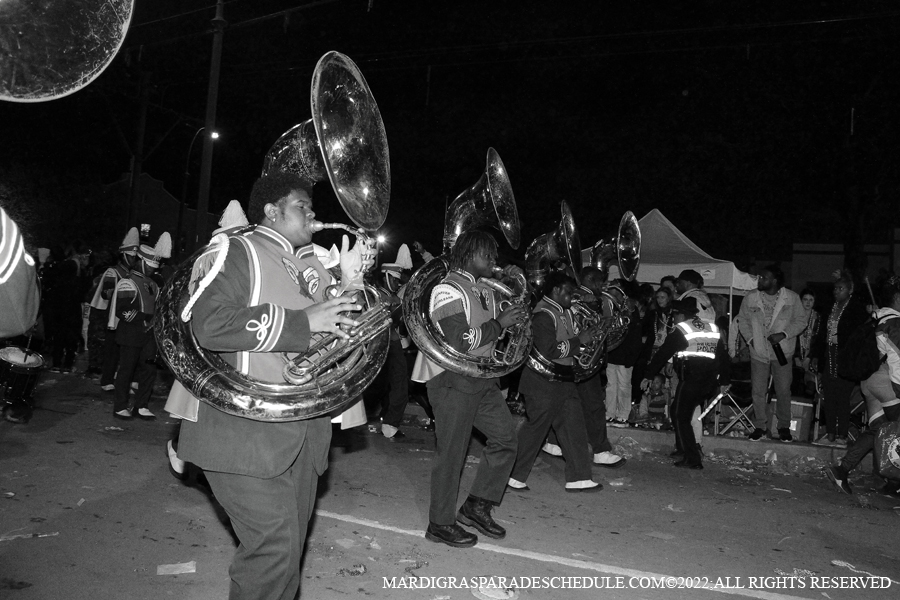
x=163 y=248
x=131 y=242
x=232 y=217
x=404 y=258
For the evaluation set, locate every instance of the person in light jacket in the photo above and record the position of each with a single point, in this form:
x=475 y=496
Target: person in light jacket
x=770 y=320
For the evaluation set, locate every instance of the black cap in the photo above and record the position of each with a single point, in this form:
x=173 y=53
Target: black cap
x=692 y=276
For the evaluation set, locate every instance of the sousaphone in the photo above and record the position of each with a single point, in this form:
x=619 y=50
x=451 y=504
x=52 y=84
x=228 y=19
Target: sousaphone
x=344 y=142
x=488 y=203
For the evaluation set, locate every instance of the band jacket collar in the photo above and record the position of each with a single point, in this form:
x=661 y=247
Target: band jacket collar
x=465 y=274
x=553 y=304
x=275 y=238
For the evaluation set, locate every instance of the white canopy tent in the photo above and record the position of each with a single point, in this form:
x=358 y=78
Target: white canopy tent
x=667 y=251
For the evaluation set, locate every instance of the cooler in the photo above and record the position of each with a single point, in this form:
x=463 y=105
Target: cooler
x=802 y=413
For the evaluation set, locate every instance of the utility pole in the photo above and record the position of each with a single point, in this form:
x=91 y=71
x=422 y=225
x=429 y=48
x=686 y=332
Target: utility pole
x=137 y=158
x=212 y=96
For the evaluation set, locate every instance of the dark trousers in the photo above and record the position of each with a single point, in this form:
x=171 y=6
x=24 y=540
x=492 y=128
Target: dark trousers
x=63 y=328
x=556 y=405
x=270 y=519
x=455 y=413
x=865 y=443
x=135 y=363
x=398 y=380
x=691 y=393
x=593 y=406
x=110 y=358
x=97 y=334
x=836 y=393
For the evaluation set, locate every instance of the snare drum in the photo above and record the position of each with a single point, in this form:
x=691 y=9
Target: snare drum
x=18 y=373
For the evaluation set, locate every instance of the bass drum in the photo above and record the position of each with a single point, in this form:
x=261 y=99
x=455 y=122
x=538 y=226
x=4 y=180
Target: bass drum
x=19 y=371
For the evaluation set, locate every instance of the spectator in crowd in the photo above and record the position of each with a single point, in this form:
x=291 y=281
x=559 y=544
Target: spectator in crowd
x=770 y=319
x=846 y=314
x=64 y=290
x=656 y=326
x=881 y=389
x=668 y=282
x=804 y=341
x=621 y=361
x=656 y=400
x=689 y=284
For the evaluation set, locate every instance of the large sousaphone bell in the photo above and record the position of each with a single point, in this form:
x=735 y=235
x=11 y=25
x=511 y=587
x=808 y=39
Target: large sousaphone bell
x=52 y=49
x=622 y=250
x=488 y=203
x=345 y=143
x=554 y=250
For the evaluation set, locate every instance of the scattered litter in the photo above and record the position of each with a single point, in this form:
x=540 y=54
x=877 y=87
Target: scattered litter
x=9 y=494
x=113 y=428
x=771 y=456
x=661 y=536
x=6 y=538
x=616 y=482
x=781 y=490
x=345 y=543
x=80 y=502
x=743 y=469
x=491 y=591
x=354 y=571
x=841 y=563
x=177 y=569
x=782 y=539
x=796 y=573
x=441 y=598
x=419 y=564
x=673 y=509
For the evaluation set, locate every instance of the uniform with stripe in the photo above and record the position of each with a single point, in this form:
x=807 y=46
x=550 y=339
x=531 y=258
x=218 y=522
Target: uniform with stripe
x=20 y=296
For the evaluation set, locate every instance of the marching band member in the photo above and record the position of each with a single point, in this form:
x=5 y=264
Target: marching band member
x=134 y=305
x=395 y=366
x=467 y=315
x=701 y=362
x=269 y=297
x=20 y=296
x=555 y=403
x=100 y=306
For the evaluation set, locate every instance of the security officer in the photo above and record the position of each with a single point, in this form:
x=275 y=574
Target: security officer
x=701 y=361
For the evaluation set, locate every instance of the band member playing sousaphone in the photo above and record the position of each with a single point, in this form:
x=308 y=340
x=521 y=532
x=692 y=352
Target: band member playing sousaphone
x=265 y=301
x=467 y=313
x=470 y=330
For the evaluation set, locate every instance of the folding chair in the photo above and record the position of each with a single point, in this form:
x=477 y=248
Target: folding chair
x=738 y=399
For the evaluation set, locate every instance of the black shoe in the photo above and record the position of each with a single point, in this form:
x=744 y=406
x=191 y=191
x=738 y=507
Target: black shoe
x=837 y=476
x=476 y=512
x=785 y=435
x=452 y=535
x=757 y=434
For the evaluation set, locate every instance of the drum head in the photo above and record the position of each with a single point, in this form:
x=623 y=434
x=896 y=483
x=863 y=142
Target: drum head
x=18 y=357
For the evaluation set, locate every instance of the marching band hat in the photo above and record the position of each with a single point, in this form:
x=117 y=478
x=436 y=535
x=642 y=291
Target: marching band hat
x=131 y=242
x=692 y=276
x=232 y=218
x=686 y=306
x=154 y=255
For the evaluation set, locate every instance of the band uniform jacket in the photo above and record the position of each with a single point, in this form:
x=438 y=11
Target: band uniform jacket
x=20 y=295
x=465 y=312
x=555 y=339
x=136 y=292
x=250 y=313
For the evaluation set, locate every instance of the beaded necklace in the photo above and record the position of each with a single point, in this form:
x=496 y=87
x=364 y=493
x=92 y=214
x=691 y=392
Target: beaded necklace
x=832 y=331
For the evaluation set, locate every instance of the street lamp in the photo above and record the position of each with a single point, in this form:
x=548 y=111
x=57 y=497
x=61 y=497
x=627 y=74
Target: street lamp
x=184 y=190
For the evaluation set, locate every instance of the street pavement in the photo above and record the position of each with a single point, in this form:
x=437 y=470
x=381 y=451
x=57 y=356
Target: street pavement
x=88 y=509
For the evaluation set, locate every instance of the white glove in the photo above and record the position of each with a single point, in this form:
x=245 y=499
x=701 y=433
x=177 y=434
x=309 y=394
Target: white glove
x=353 y=262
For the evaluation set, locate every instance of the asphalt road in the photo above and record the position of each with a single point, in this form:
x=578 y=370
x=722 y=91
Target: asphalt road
x=88 y=509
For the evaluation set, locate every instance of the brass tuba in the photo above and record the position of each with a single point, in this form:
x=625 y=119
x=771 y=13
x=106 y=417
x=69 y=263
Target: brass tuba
x=52 y=49
x=489 y=202
x=345 y=139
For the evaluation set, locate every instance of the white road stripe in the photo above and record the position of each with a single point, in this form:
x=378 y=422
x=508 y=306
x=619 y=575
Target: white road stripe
x=560 y=560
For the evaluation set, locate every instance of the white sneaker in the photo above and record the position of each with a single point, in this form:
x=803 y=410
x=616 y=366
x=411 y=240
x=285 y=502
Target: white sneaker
x=175 y=463
x=517 y=485
x=608 y=459
x=145 y=413
x=134 y=385
x=108 y=387
x=585 y=485
x=552 y=449
x=388 y=431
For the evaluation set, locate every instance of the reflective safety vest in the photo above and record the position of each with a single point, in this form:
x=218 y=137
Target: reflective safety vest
x=702 y=338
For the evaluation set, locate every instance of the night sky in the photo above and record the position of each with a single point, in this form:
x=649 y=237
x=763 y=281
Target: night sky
x=751 y=125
